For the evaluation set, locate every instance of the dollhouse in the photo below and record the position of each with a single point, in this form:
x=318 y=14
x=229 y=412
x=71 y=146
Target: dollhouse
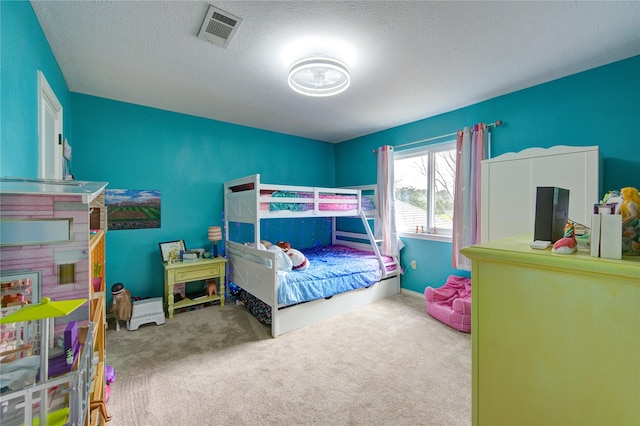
x=53 y=233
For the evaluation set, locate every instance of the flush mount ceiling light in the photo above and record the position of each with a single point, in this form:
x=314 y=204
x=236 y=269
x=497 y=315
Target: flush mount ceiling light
x=319 y=76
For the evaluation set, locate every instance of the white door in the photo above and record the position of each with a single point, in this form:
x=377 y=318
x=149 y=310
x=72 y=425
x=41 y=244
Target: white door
x=49 y=131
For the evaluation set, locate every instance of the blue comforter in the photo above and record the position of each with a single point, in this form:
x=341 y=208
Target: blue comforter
x=333 y=270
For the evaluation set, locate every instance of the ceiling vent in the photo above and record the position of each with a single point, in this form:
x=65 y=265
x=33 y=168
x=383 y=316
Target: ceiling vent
x=219 y=26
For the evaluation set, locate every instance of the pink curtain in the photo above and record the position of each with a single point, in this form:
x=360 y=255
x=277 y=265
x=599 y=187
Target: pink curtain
x=386 y=208
x=470 y=149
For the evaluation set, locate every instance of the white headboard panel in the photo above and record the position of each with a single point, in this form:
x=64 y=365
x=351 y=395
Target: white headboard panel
x=509 y=184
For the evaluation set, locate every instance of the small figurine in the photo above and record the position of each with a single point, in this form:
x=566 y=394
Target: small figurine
x=173 y=256
x=212 y=287
x=567 y=244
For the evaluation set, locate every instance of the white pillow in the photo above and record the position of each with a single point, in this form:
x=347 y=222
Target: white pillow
x=283 y=261
x=256 y=259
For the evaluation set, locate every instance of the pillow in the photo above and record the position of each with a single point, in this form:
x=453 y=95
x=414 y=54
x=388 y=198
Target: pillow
x=283 y=261
x=264 y=244
x=367 y=203
x=256 y=259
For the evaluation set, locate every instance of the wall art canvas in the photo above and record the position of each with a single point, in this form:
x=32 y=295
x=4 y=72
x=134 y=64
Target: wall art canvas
x=132 y=209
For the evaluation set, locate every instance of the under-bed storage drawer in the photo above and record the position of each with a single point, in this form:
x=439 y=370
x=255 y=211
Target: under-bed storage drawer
x=194 y=274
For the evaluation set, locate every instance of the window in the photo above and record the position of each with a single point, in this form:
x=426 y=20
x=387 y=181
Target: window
x=424 y=189
x=67 y=273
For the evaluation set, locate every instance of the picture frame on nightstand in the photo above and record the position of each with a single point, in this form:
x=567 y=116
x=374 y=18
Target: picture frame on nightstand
x=166 y=247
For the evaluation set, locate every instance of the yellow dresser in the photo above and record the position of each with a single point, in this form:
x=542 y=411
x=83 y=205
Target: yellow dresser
x=555 y=338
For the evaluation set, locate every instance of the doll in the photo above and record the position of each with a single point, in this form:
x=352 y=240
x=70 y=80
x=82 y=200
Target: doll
x=121 y=306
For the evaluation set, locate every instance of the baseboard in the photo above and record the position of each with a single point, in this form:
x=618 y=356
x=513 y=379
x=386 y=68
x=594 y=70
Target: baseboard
x=411 y=293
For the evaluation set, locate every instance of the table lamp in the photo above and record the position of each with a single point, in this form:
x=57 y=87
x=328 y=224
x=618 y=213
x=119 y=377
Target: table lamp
x=215 y=235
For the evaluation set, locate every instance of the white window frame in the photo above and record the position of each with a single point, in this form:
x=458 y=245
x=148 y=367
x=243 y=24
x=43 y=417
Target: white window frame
x=430 y=151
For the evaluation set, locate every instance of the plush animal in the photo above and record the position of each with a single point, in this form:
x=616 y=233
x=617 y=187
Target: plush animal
x=284 y=245
x=630 y=211
x=630 y=204
x=298 y=259
x=567 y=244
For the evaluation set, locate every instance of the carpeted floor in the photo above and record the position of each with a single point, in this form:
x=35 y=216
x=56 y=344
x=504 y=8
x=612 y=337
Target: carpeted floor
x=388 y=363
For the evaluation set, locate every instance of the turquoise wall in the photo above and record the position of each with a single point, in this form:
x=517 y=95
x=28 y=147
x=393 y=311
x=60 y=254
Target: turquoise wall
x=597 y=107
x=24 y=51
x=187 y=159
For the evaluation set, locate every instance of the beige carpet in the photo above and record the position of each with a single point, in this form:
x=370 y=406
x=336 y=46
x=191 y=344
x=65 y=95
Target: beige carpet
x=388 y=363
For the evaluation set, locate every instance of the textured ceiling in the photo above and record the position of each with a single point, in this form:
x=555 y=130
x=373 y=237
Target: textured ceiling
x=408 y=60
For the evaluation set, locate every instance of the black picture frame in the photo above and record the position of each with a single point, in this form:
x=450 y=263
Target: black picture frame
x=167 y=246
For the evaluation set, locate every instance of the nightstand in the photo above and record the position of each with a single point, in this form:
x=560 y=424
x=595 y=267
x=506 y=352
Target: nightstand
x=183 y=272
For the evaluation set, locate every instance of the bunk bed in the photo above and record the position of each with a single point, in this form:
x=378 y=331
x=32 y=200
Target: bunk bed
x=376 y=276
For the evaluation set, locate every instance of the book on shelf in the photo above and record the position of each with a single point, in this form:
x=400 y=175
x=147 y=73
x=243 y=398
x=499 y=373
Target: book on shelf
x=204 y=296
x=196 y=295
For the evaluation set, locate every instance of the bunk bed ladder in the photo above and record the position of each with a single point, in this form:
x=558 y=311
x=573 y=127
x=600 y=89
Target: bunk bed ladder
x=376 y=248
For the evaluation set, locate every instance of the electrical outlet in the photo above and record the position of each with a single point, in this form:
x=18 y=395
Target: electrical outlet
x=413 y=264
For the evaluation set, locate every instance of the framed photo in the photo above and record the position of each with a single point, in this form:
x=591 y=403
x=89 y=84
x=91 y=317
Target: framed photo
x=165 y=248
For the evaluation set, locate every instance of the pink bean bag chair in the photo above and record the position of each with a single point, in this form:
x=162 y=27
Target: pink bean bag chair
x=451 y=303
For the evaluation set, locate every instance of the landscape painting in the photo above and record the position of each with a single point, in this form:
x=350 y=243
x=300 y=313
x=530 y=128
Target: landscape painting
x=132 y=209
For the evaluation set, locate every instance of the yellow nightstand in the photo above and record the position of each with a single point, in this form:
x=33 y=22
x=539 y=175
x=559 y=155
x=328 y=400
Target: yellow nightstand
x=183 y=272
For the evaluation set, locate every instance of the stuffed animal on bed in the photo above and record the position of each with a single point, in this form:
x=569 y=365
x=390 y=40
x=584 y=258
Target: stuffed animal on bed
x=283 y=261
x=298 y=260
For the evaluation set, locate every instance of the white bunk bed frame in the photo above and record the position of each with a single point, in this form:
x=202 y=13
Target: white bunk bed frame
x=256 y=272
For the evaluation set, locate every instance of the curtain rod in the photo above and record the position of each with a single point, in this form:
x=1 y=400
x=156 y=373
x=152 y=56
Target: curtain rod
x=494 y=124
